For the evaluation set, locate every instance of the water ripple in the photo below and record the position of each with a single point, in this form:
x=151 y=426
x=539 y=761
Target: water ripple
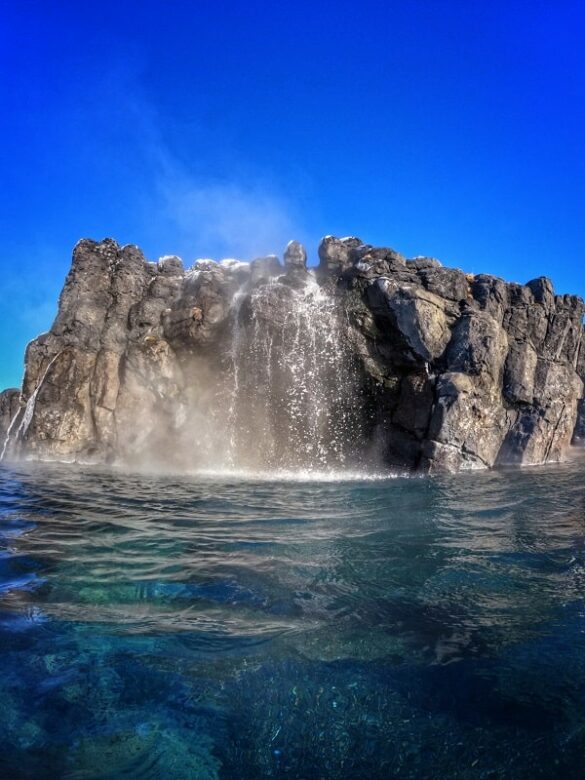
x=237 y=627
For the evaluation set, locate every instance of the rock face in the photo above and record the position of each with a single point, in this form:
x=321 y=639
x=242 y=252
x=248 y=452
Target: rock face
x=369 y=359
x=9 y=406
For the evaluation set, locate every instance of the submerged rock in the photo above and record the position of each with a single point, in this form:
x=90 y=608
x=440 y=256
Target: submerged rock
x=369 y=361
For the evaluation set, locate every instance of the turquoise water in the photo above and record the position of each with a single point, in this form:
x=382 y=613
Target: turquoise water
x=217 y=628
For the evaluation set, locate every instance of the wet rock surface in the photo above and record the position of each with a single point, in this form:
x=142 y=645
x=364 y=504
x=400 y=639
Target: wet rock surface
x=369 y=357
x=9 y=406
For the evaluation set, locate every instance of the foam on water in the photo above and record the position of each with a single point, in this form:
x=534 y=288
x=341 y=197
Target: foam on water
x=298 y=475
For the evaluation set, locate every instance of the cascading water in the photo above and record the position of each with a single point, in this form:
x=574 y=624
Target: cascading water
x=294 y=400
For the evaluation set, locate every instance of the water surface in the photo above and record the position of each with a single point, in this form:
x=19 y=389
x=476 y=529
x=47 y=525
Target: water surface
x=205 y=627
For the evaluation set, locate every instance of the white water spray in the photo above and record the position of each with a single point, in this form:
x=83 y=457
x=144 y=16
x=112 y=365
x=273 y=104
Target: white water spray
x=294 y=397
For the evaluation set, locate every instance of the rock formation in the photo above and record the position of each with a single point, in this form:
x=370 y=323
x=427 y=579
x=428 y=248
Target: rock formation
x=9 y=406
x=368 y=359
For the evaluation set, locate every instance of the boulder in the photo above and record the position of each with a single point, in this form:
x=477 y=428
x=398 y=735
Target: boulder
x=264 y=268
x=295 y=256
x=335 y=254
x=417 y=317
x=478 y=347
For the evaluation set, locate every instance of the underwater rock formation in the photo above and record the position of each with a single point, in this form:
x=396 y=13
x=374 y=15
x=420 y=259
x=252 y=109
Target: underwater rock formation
x=367 y=359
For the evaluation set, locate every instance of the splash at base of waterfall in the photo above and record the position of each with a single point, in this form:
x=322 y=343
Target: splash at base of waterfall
x=295 y=475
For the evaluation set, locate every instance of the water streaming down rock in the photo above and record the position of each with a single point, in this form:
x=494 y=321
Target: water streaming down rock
x=295 y=382
x=369 y=359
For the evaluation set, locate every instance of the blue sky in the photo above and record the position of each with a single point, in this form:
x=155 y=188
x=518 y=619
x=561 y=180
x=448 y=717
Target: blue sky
x=444 y=127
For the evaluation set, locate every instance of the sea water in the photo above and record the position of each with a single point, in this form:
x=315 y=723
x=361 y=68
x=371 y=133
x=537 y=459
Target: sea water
x=243 y=627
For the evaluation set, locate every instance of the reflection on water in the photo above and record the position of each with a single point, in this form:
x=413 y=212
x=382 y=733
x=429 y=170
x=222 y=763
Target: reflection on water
x=224 y=628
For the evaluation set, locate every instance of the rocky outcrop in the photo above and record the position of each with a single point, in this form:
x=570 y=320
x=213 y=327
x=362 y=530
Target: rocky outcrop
x=370 y=358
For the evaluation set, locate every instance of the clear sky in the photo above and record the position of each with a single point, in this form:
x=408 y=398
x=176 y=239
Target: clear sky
x=453 y=128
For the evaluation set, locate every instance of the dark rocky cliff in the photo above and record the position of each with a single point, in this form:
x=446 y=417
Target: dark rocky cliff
x=369 y=356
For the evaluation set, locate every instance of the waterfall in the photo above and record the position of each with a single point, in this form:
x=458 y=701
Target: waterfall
x=294 y=399
x=24 y=419
x=258 y=376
